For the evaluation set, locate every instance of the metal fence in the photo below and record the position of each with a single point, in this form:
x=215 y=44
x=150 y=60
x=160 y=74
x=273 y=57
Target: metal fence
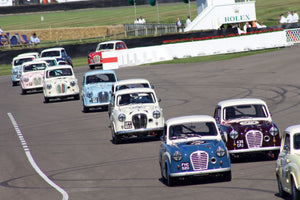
x=293 y=35
x=148 y=29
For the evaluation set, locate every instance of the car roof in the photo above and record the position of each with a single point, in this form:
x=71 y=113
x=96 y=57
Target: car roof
x=111 y=41
x=189 y=118
x=34 y=62
x=133 y=90
x=28 y=54
x=293 y=129
x=60 y=67
x=131 y=81
x=99 y=72
x=243 y=101
x=53 y=49
x=45 y=58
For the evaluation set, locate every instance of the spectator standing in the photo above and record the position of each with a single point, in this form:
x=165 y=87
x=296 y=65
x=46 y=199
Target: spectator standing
x=188 y=21
x=34 y=40
x=142 y=20
x=136 y=21
x=289 y=17
x=295 y=17
x=246 y=26
x=179 y=25
x=282 y=19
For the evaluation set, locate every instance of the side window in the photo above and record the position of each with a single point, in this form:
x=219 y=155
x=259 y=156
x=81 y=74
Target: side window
x=287 y=142
x=217 y=114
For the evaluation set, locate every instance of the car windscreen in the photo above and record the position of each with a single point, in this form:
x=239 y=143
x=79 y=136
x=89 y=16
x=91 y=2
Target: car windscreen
x=100 y=78
x=245 y=111
x=297 y=141
x=59 y=72
x=50 y=54
x=51 y=62
x=134 y=85
x=192 y=129
x=34 y=67
x=135 y=98
x=106 y=46
x=22 y=60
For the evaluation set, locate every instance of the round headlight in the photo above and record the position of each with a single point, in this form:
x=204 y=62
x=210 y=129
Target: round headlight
x=220 y=151
x=72 y=83
x=26 y=79
x=273 y=131
x=89 y=94
x=156 y=114
x=234 y=134
x=49 y=86
x=15 y=71
x=177 y=156
x=122 y=117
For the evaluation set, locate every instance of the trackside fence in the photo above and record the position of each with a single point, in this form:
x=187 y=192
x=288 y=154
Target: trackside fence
x=293 y=35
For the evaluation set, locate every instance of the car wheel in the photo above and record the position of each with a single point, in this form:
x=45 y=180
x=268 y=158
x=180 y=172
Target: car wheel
x=85 y=109
x=282 y=193
x=92 y=67
x=162 y=170
x=24 y=92
x=170 y=180
x=77 y=97
x=227 y=176
x=46 y=100
x=115 y=138
x=295 y=191
x=14 y=83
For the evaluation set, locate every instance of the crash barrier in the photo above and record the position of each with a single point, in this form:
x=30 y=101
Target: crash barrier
x=145 y=55
x=149 y=29
x=293 y=35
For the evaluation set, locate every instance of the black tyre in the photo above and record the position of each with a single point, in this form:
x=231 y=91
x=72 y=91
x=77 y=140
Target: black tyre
x=170 y=180
x=227 y=176
x=14 y=83
x=85 y=109
x=92 y=67
x=24 y=92
x=282 y=193
x=115 y=138
x=77 y=97
x=295 y=191
x=46 y=99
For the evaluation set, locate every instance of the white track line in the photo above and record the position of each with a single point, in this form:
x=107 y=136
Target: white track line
x=31 y=160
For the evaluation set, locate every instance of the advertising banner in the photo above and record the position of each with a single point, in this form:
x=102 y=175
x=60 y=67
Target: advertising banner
x=4 y=3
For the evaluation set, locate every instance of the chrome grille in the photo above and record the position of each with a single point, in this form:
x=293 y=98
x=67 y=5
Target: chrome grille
x=139 y=121
x=199 y=160
x=254 y=138
x=96 y=58
x=37 y=81
x=103 y=97
x=61 y=88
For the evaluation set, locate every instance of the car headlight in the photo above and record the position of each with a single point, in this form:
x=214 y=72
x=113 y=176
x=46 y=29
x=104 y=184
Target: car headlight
x=25 y=79
x=15 y=72
x=89 y=94
x=156 y=114
x=234 y=134
x=49 y=86
x=273 y=131
x=122 y=117
x=220 y=151
x=72 y=83
x=177 y=156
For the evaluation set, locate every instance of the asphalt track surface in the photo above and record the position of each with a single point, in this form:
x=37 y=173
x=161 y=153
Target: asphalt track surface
x=75 y=151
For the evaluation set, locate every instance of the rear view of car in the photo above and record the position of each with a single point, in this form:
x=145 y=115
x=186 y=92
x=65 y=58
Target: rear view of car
x=59 y=53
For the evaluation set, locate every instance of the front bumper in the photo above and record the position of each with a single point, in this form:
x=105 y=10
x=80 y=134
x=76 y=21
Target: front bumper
x=142 y=130
x=253 y=150
x=200 y=173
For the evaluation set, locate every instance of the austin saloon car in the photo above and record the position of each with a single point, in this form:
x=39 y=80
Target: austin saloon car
x=59 y=53
x=288 y=163
x=32 y=75
x=247 y=127
x=49 y=60
x=127 y=84
x=191 y=146
x=97 y=88
x=60 y=82
x=95 y=58
x=17 y=65
x=135 y=113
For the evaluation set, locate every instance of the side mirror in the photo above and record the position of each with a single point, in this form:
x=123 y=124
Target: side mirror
x=286 y=148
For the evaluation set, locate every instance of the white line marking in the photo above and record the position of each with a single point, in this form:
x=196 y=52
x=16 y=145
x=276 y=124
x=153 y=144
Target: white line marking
x=31 y=160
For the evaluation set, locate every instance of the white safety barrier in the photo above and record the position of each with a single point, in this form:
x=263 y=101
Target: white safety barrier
x=145 y=55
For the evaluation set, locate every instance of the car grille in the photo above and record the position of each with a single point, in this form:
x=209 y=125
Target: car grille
x=37 y=81
x=199 y=160
x=139 y=121
x=103 y=97
x=254 y=138
x=96 y=58
x=61 y=88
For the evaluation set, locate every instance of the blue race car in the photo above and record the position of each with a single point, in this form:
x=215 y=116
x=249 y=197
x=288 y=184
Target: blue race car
x=97 y=88
x=192 y=146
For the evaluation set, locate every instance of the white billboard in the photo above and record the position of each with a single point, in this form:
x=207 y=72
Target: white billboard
x=6 y=3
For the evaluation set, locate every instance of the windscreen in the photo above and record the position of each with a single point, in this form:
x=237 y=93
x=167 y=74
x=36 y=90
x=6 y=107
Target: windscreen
x=100 y=78
x=34 y=67
x=245 y=111
x=135 y=98
x=59 y=72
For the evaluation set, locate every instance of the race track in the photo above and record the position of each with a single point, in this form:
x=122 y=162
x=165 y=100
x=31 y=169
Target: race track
x=75 y=151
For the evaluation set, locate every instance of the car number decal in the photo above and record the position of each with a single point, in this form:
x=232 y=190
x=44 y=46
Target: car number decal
x=239 y=143
x=128 y=125
x=185 y=166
